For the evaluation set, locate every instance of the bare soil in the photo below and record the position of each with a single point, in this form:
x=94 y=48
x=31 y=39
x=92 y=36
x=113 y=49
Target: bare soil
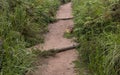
x=62 y=63
x=64 y=11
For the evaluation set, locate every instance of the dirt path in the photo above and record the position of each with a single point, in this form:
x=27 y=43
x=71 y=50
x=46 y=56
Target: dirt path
x=65 y=12
x=62 y=63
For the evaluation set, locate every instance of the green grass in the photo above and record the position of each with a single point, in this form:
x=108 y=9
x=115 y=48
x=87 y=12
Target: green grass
x=68 y=35
x=22 y=24
x=97 y=27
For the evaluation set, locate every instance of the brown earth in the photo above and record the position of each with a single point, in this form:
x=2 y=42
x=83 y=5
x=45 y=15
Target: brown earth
x=65 y=11
x=62 y=63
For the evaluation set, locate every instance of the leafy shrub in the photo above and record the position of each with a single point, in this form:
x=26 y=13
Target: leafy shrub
x=97 y=30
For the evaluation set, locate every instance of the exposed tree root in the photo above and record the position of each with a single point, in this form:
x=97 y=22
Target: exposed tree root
x=63 y=49
x=52 y=52
x=64 y=19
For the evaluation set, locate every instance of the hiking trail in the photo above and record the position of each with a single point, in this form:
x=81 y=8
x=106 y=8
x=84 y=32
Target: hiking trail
x=62 y=63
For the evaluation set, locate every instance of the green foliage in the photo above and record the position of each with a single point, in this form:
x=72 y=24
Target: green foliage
x=45 y=54
x=22 y=24
x=30 y=18
x=97 y=30
x=65 y=1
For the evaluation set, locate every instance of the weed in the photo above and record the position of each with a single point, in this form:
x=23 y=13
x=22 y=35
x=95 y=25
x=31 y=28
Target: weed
x=22 y=24
x=97 y=29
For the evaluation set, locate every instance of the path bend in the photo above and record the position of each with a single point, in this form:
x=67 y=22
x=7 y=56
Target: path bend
x=62 y=63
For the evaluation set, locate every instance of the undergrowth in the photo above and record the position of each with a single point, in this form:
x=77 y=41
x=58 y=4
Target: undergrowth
x=64 y=1
x=22 y=24
x=97 y=29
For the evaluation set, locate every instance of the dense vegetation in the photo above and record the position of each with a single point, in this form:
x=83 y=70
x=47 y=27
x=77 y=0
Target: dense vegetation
x=97 y=29
x=64 y=1
x=22 y=24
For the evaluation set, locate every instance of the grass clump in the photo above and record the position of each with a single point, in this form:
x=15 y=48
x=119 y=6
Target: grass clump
x=22 y=24
x=30 y=18
x=97 y=30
